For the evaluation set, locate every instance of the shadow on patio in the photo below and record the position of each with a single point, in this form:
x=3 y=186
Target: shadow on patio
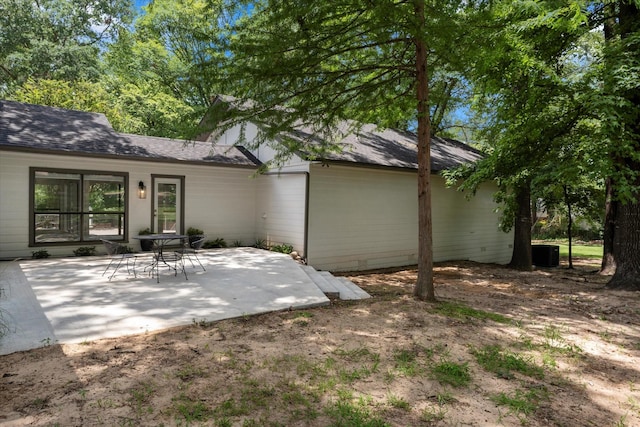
x=68 y=300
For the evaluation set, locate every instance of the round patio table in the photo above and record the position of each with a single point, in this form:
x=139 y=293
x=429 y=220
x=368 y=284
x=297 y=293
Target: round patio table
x=160 y=241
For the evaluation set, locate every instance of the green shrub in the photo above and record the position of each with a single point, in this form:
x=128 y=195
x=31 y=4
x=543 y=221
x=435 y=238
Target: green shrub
x=283 y=248
x=85 y=251
x=261 y=244
x=217 y=243
x=192 y=231
x=42 y=253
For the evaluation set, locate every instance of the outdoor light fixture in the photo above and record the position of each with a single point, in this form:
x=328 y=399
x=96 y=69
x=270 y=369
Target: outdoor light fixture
x=142 y=190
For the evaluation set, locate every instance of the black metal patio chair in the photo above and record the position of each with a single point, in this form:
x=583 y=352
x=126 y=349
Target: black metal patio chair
x=191 y=248
x=118 y=253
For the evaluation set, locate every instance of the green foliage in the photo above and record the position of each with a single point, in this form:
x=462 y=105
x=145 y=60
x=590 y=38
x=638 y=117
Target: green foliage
x=284 y=248
x=533 y=108
x=347 y=59
x=40 y=254
x=55 y=39
x=261 y=244
x=73 y=95
x=193 y=231
x=189 y=35
x=162 y=70
x=144 y=232
x=556 y=228
x=217 y=243
x=127 y=108
x=308 y=73
x=86 y=251
x=555 y=342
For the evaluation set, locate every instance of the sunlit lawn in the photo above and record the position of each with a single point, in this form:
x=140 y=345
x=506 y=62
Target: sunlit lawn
x=582 y=251
x=577 y=250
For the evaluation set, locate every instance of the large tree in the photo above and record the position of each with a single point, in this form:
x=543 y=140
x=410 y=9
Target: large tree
x=537 y=100
x=620 y=107
x=190 y=34
x=56 y=39
x=163 y=70
x=309 y=63
x=529 y=95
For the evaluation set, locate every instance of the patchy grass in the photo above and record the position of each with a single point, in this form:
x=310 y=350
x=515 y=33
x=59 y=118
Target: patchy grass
x=504 y=362
x=462 y=311
x=521 y=402
x=451 y=373
x=504 y=348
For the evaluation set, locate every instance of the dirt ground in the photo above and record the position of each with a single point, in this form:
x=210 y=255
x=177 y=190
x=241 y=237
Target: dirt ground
x=368 y=363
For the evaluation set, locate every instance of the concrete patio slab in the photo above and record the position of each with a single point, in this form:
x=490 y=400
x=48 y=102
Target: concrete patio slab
x=68 y=300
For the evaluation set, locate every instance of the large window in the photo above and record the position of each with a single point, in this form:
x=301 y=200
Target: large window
x=77 y=206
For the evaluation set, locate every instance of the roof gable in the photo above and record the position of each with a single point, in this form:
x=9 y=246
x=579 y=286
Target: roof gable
x=367 y=145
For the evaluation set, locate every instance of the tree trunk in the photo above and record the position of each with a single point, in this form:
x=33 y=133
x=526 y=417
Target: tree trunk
x=570 y=226
x=521 y=257
x=608 y=265
x=608 y=259
x=424 y=289
x=626 y=238
x=627 y=247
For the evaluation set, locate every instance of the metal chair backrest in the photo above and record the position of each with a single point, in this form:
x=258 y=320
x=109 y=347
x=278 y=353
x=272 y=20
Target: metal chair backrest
x=197 y=244
x=112 y=248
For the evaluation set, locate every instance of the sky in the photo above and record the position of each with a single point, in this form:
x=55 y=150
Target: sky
x=140 y=3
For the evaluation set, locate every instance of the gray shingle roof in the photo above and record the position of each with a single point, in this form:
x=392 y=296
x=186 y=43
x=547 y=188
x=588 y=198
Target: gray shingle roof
x=370 y=146
x=56 y=130
x=393 y=148
x=49 y=129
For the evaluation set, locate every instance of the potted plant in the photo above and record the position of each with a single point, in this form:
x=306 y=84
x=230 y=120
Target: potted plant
x=194 y=234
x=145 y=245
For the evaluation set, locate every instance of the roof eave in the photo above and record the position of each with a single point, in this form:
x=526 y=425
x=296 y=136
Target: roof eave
x=124 y=157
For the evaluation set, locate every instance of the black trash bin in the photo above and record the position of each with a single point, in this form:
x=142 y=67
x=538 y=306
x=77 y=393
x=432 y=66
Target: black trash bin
x=545 y=255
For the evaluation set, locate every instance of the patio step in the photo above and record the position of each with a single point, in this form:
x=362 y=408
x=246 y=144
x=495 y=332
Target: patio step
x=335 y=287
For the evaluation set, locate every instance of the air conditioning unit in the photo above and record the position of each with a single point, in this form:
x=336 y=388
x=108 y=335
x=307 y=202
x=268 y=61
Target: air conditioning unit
x=545 y=255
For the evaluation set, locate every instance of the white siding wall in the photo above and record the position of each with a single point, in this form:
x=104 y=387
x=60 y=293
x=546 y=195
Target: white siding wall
x=468 y=229
x=280 y=209
x=221 y=201
x=361 y=218
x=367 y=218
x=14 y=206
x=358 y=218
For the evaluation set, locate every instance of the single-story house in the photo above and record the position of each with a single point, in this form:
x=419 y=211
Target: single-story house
x=67 y=179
